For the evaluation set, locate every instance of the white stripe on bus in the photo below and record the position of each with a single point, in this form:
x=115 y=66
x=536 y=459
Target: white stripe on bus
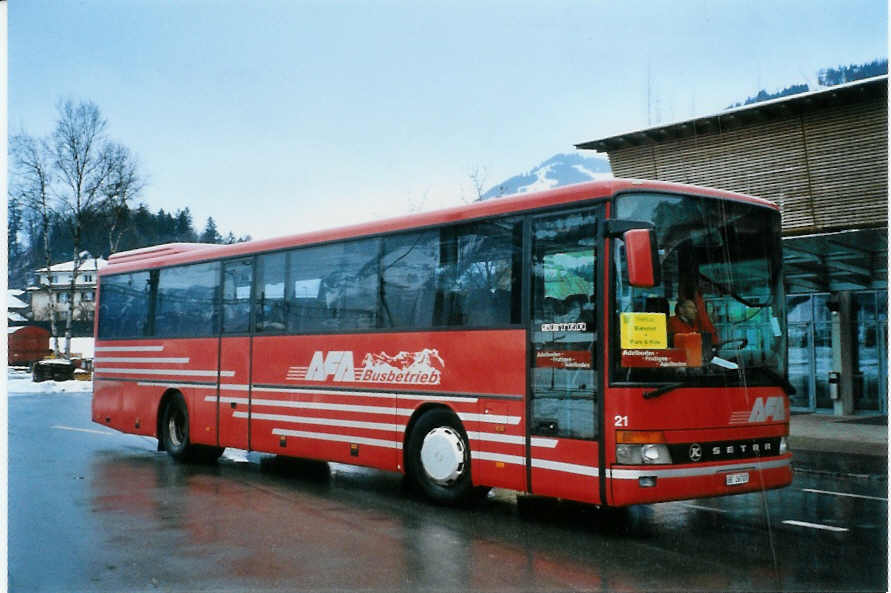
x=323 y=421
x=129 y=349
x=511 y=439
x=310 y=405
x=570 y=468
x=498 y=457
x=145 y=359
x=489 y=418
x=323 y=436
x=180 y=372
x=168 y=385
x=496 y=437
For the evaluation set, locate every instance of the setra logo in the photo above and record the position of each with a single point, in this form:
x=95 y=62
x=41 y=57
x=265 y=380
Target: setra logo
x=412 y=368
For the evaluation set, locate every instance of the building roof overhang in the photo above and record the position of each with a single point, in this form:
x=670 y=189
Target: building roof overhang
x=830 y=262
x=731 y=119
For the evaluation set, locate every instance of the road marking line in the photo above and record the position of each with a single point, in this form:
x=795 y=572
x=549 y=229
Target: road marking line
x=815 y=525
x=83 y=430
x=843 y=494
x=703 y=508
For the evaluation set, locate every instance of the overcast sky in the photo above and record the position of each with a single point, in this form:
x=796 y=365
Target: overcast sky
x=285 y=116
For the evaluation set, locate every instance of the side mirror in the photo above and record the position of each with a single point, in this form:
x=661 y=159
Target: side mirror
x=643 y=259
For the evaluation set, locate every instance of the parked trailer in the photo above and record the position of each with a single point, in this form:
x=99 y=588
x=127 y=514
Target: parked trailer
x=27 y=344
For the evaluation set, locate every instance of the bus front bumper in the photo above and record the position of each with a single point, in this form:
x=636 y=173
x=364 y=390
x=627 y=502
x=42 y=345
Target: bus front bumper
x=656 y=483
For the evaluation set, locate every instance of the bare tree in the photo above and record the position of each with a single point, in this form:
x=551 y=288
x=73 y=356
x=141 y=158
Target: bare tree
x=478 y=179
x=123 y=185
x=84 y=160
x=32 y=182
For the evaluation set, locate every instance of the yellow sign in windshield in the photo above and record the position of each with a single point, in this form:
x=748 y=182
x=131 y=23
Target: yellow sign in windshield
x=642 y=331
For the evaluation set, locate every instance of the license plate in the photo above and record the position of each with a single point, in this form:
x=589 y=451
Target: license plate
x=737 y=479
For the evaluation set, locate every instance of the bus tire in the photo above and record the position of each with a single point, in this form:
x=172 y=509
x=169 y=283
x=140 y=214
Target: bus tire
x=438 y=457
x=206 y=453
x=175 y=429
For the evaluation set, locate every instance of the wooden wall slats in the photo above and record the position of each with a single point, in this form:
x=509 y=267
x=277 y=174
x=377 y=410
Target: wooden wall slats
x=826 y=168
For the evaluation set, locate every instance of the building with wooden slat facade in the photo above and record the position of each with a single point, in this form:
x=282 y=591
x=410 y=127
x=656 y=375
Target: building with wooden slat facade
x=823 y=157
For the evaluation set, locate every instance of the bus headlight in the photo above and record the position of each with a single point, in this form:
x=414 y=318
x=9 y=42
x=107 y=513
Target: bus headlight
x=655 y=454
x=784 y=446
x=647 y=454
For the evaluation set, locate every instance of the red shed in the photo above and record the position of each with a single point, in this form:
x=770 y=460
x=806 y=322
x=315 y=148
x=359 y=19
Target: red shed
x=28 y=343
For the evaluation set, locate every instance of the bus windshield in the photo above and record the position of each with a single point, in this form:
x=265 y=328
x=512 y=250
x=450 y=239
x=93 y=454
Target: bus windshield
x=717 y=317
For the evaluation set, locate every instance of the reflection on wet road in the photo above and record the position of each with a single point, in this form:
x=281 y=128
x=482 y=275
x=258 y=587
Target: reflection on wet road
x=91 y=509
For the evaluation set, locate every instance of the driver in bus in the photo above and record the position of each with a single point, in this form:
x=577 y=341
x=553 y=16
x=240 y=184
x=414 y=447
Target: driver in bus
x=688 y=319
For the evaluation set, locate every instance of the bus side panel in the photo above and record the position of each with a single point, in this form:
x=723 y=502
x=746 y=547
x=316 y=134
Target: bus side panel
x=320 y=415
x=130 y=378
x=498 y=447
x=349 y=398
x=235 y=381
x=193 y=372
x=107 y=403
x=566 y=468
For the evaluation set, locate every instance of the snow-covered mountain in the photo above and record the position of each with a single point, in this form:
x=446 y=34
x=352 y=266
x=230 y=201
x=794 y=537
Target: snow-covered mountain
x=560 y=169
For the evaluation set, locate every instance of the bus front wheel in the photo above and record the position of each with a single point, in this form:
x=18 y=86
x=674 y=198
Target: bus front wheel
x=438 y=457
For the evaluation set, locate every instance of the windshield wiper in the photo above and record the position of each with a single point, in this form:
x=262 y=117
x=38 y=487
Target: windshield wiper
x=663 y=390
x=729 y=291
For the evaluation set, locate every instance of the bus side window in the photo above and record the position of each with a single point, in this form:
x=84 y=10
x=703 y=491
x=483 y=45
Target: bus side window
x=237 y=283
x=270 y=307
x=186 y=303
x=333 y=287
x=408 y=279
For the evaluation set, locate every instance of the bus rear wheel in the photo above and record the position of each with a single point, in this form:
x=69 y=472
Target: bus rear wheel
x=438 y=457
x=175 y=434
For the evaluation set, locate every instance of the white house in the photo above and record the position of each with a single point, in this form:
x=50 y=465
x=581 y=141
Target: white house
x=54 y=283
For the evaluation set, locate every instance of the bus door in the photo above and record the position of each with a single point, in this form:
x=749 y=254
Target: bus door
x=234 y=387
x=563 y=402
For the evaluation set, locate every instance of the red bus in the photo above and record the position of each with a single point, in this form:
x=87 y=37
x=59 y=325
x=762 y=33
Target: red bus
x=613 y=342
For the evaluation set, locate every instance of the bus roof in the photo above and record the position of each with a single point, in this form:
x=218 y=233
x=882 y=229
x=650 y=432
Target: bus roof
x=178 y=253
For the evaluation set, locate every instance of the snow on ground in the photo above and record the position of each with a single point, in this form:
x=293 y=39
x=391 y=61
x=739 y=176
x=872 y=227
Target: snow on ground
x=236 y=455
x=79 y=346
x=82 y=346
x=18 y=379
x=18 y=382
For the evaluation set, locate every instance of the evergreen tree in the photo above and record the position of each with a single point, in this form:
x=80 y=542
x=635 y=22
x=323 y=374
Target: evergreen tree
x=185 y=233
x=14 y=227
x=210 y=234
x=852 y=72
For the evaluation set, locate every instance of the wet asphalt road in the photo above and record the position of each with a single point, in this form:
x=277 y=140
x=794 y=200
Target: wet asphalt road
x=95 y=510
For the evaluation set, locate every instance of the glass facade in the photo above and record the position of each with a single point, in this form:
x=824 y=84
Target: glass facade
x=810 y=350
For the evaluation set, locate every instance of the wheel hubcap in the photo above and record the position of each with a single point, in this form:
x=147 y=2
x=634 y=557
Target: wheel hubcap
x=175 y=429
x=442 y=455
